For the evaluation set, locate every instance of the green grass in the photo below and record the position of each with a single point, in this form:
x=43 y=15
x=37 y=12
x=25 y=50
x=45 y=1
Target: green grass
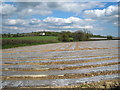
x=27 y=41
x=35 y=38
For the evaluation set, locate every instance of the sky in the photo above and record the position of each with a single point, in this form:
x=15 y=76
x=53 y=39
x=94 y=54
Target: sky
x=99 y=18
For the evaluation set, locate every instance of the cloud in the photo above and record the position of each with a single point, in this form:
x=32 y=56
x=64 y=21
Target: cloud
x=23 y=9
x=63 y=0
x=77 y=27
x=78 y=7
x=84 y=16
x=14 y=22
x=97 y=13
x=7 y=9
x=67 y=20
x=49 y=23
x=55 y=20
x=34 y=21
x=107 y=15
x=33 y=8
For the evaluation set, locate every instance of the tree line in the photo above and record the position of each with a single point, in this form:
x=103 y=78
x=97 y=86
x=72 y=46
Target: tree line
x=5 y=35
x=79 y=35
x=64 y=36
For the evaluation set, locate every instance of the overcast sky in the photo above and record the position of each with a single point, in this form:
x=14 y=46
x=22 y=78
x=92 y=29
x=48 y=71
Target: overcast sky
x=97 y=17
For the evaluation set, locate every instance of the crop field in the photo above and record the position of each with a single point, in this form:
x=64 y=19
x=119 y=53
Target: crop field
x=61 y=65
x=12 y=42
x=34 y=38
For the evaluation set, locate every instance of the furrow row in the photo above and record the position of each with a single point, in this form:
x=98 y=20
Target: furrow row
x=65 y=76
x=60 y=58
x=59 y=65
x=62 y=83
x=63 y=68
x=62 y=62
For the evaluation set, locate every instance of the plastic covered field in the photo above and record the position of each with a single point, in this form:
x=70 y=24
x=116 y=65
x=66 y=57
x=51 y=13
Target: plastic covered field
x=60 y=64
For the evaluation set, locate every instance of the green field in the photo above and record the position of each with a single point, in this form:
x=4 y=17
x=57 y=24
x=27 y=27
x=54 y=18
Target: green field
x=27 y=41
x=35 y=38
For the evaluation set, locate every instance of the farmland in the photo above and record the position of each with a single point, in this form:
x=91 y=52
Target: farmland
x=62 y=65
x=34 y=38
x=12 y=42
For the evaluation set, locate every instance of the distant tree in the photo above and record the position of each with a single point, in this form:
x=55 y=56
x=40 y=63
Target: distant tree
x=80 y=36
x=109 y=37
x=64 y=36
x=8 y=35
x=4 y=35
x=67 y=36
x=17 y=35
